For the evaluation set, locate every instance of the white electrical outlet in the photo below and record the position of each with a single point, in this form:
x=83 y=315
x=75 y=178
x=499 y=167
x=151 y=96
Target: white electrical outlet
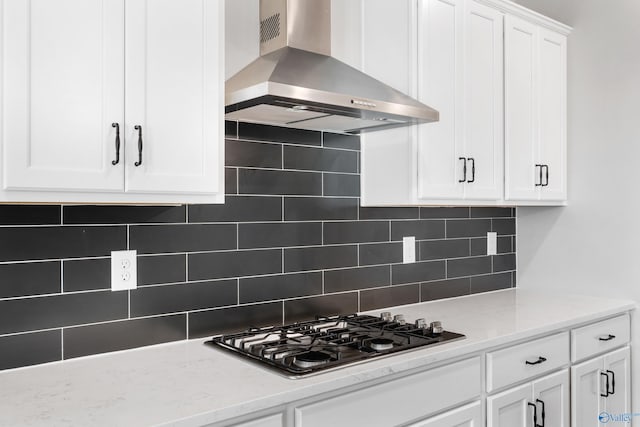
x=408 y=249
x=124 y=270
x=492 y=243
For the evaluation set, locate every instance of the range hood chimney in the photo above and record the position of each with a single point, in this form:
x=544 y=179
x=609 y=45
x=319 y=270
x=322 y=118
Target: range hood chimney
x=296 y=83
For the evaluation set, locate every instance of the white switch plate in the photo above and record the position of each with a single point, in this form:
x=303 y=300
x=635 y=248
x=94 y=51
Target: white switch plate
x=492 y=243
x=124 y=270
x=408 y=249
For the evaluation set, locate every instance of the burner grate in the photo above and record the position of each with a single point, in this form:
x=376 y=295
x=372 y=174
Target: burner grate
x=303 y=348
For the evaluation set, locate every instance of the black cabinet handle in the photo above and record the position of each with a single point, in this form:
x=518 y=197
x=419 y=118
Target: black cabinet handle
x=464 y=169
x=539 y=184
x=542 y=413
x=537 y=362
x=117 y=160
x=139 y=129
x=613 y=382
x=609 y=337
x=473 y=169
x=546 y=172
x=606 y=382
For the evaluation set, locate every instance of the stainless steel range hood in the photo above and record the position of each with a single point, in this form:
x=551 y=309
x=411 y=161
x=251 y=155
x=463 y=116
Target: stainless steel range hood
x=296 y=83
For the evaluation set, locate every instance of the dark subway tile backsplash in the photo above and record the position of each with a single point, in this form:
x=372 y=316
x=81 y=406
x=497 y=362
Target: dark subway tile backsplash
x=149 y=239
x=291 y=242
x=278 y=235
x=30 y=349
x=29 y=215
x=220 y=265
x=389 y=297
x=30 y=314
x=153 y=300
x=320 y=159
x=320 y=208
x=338 y=184
x=257 y=181
x=239 y=209
x=87 y=274
x=36 y=243
x=123 y=335
x=36 y=278
x=122 y=214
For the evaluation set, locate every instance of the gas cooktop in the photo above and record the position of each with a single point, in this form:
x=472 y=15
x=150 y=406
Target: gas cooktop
x=304 y=348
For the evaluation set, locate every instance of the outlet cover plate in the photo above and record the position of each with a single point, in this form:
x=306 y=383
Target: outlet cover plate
x=124 y=270
x=408 y=249
x=492 y=243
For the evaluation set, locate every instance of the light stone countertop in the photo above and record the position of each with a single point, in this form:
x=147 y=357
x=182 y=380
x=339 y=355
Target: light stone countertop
x=188 y=384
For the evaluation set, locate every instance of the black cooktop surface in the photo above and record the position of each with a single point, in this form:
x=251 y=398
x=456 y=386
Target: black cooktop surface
x=317 y=345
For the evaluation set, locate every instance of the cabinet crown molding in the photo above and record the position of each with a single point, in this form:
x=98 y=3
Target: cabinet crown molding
x=522 y=12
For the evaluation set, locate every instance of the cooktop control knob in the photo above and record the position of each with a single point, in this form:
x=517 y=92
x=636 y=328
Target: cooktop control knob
x=399 y=318
x=421 y=323
x=386 y=316
x=436 y=327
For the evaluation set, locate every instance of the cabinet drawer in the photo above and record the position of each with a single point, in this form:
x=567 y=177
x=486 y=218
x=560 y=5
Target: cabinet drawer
x=270 y=421
x=399 y=401
x=527 y=360
x=599 y=337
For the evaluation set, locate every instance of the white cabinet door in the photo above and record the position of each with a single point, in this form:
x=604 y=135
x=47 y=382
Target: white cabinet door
x=466 y=416
x=510 y=408
x=586 y=402
x=521 y=118
x=600 y=387
x=388 y=54
x=553 y=114
x=551 y=393
x=63 y=87
x=175 y=82
x=483 y=101
x=535 y=112
x=441 y=160
x=617 y=366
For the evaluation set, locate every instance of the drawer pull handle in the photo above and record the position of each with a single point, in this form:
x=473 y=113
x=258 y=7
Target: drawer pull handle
x=139 y=129
x=542 y=412
x=473 y=170
x=607 y=338
x=117 y=160
x=535 y=412
x=464 y=169
x=613 y=382
x=606 y=384
x=537 y=362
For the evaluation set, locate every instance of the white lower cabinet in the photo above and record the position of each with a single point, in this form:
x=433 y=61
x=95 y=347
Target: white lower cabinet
x=399 y=401
x=541 y=402
x=465 y=416
x=535 y=383
x=601 y=389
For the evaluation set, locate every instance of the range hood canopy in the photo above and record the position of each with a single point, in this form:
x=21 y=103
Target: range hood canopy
x=296 y=83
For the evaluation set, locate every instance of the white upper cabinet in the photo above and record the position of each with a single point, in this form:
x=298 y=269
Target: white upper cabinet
x=174 y=79
x=499 y=83
x=81 y=75
x=460 y=74
x=440 y=83
x=62 y=89
x=536 y=115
